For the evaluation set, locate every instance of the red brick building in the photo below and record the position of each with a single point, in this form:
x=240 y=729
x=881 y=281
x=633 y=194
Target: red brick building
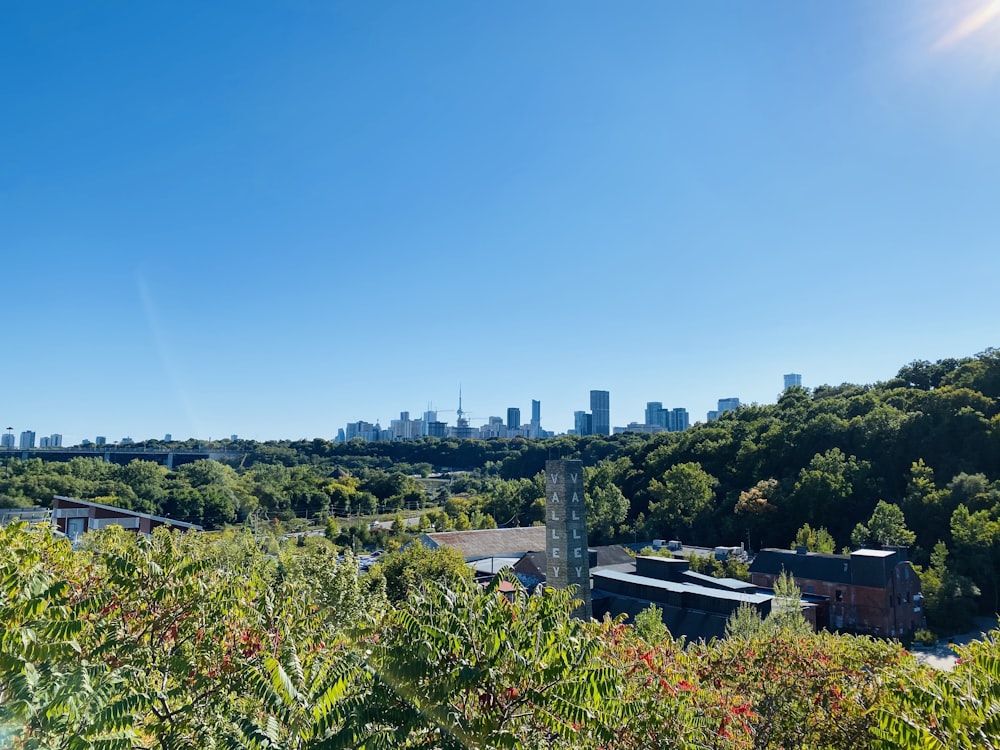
x=870 y=591
x=75 y=517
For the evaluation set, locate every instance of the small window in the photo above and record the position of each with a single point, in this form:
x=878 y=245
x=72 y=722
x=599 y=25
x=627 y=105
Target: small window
x=839 y=595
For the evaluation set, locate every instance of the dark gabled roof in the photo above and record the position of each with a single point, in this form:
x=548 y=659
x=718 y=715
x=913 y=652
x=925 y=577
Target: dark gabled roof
x=612 y=554
x=532 y=564
x=863 y=567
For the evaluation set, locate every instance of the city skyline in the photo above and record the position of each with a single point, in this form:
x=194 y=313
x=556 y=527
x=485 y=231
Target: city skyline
x=654 y=416
x=271 y=220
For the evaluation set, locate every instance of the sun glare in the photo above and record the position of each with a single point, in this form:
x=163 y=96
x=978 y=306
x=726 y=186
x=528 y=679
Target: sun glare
x=982 y=23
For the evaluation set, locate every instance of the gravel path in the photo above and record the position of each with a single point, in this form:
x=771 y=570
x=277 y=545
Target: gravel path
x=942 y=656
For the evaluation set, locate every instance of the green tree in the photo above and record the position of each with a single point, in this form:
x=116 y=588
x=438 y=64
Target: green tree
x=825 y=490
x=976 y=537
x=649 y=625
x=606 y=506
x=682 y=498
x=815 y=540
x=949 y=598
x=886 y=527
x=406 y=570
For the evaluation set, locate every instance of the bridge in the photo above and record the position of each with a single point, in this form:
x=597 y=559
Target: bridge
x=123 y=454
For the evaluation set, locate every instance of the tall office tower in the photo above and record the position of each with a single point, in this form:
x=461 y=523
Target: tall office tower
x=712 y=416
x=728 y=404
x=44 y=442
x=583 y=423
x=536 y=418
x=679 y=420
x=654 y=412
x=567 y=561
x=792 y=379
x=7 y=440
x=513 y=418
x=404 y=428
x=429 y=417
x=27 y=440
x=101 y=440
x=55 y=440
x=600 y=408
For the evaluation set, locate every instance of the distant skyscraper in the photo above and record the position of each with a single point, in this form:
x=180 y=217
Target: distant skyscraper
x=101 y=440
x=678 y=420
x=27 y=440
x=600 y=408
x=654 y=413
x=55 y=440
x=792 y=379
x=536 y=419
x=45 y=442
x=168 y=438
x=728 y=404
x=513 y=418
x=583 y=423
x=7 y=440
x=429 y=417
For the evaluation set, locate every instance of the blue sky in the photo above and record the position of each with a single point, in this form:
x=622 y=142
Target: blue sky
x=271 y=219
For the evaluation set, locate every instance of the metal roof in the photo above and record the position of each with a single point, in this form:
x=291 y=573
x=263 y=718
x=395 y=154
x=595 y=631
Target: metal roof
x=475 y=545
x=127 y=512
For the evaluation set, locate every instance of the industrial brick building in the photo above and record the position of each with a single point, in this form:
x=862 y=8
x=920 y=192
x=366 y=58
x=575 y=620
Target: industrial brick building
x=870 y=591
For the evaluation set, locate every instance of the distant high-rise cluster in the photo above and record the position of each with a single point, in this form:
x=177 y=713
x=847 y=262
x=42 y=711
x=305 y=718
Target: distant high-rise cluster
x=659 y=419
x=429 y=425
x=598 y=420
x=27 y=440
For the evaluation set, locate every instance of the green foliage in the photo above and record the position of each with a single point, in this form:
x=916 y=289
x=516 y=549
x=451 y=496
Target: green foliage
x=649 y=625
x=815 y=540
x=682 y=498
x=408 y=570
x=945 y=710
x=606 y=506
x=462 y=668
x=886 y=527
x=199 y=641
x=949 y=597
